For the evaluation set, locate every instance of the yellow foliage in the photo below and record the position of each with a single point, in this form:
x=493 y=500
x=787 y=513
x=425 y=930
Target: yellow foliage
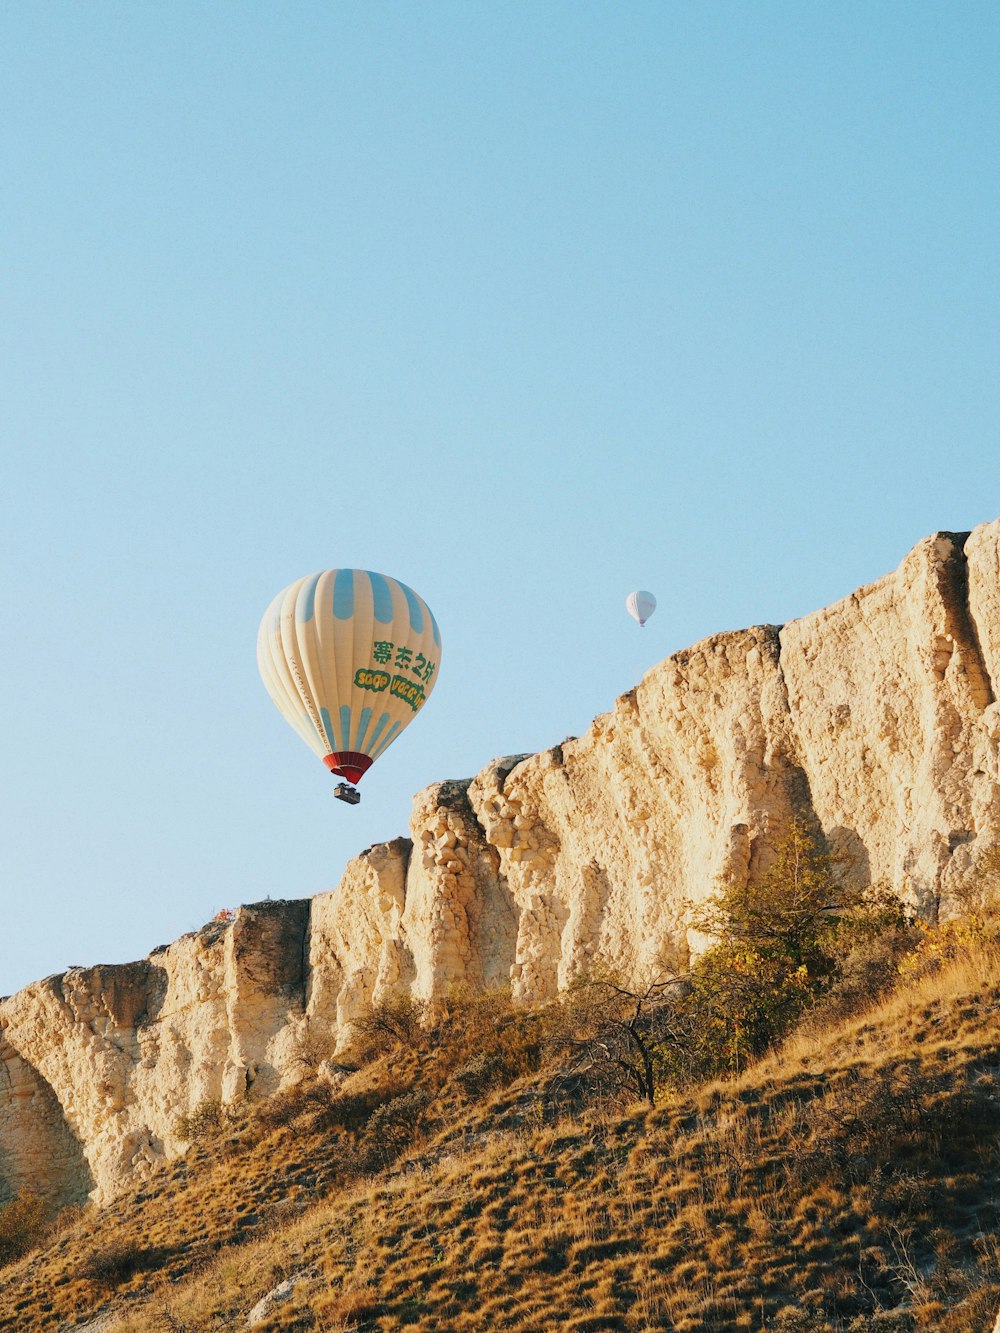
x=945 y=942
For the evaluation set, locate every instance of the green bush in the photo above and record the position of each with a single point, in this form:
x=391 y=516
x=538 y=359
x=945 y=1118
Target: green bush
x=780 y=941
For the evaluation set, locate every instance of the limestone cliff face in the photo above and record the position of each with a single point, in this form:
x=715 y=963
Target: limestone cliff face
x=876 y=717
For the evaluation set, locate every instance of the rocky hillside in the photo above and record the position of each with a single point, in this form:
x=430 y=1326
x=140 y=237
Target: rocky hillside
x=875 y=717
x=845 y=1184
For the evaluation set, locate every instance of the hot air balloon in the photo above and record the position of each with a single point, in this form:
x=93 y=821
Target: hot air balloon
x=349 y=658
x=640 y=605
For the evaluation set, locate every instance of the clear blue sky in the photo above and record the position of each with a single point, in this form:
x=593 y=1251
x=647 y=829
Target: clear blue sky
x=525 y=304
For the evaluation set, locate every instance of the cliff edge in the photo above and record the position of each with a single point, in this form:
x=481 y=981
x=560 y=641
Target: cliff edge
x=875 y=717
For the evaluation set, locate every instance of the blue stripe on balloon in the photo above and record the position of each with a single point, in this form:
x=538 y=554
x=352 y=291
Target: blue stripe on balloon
x=390 y=736
x=377 y=732
x=416 y=609
x=306 y=605
x=345 y=727
x=382 y=594
x=328 y=727
x=343 y=594
x=434 y=627
x=359 y=735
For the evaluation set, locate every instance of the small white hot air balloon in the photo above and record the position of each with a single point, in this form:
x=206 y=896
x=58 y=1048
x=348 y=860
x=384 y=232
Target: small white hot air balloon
x=640 y=605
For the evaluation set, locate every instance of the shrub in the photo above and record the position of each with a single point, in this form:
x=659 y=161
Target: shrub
x=484 y=1040
x=866 y=972
x=943 y=943
x=24 y=1223
x=479 y=1039
x=116 y=1263
x=399 y=1021
x=391 y=1129
x=206 y=1121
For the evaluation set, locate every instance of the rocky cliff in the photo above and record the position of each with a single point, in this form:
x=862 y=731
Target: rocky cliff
x=876 y=717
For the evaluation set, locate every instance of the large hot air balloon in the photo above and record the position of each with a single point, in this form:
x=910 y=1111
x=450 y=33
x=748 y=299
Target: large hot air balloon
x=349 y=658
x=640 y=605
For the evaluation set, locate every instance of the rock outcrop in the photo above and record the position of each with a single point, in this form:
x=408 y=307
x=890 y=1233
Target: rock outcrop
x=875 y=717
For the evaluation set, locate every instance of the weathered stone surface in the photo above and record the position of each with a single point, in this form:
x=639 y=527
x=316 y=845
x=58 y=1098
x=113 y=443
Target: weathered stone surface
x=270 y=1304
x=876 y=717
x=99 y=1063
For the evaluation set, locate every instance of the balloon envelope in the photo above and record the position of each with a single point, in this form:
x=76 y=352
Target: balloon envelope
x=349 y=658
x=640 y=605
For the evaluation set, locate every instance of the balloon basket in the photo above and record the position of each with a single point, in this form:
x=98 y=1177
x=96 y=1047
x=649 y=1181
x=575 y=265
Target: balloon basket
x=345 y=793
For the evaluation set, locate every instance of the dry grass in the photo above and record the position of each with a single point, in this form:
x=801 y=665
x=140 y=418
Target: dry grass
x=850 y=1181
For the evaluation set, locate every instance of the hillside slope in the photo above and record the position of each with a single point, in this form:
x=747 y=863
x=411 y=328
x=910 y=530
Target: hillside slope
x=849 y=1182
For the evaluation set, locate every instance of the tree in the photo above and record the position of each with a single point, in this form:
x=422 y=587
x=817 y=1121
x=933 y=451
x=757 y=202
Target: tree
x=778 y=938
x=606 y=1036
